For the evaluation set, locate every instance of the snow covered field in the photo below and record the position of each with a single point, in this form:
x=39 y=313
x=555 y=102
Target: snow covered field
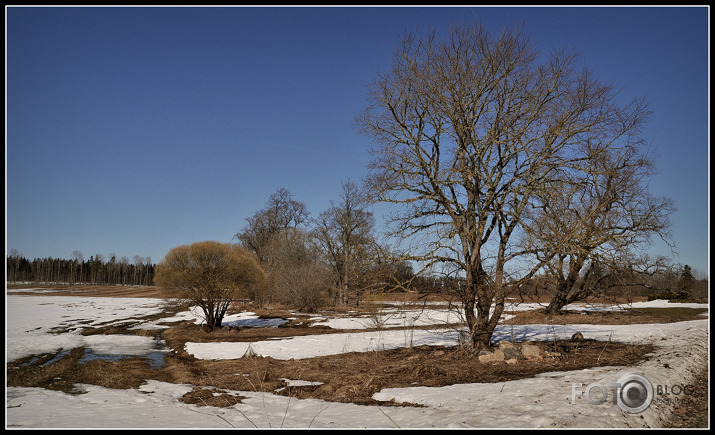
x=544 y=401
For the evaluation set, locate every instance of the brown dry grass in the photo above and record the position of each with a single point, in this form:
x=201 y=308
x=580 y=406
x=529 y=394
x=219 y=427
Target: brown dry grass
x=355 y=377
x=210 y=396
x=629 y=316
x=692 y=411
x=352 y=377
x=67 y=371
x=115 y=291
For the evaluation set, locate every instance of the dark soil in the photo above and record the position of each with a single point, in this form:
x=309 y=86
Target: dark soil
x=692 y=410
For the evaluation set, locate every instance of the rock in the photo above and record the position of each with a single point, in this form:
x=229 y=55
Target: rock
x=577 y=337
x=498 y=355
x=512 y=353
x=530 y=350
x=553 y=354
x=510 y=350
x=511 y=361
x=483 y=351
x=506 y=345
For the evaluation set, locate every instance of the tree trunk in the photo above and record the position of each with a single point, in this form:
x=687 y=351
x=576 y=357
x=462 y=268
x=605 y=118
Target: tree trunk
x=557 y=302
x=470 y=318
x=482 y=334
x=564 y=296
x=479 y=325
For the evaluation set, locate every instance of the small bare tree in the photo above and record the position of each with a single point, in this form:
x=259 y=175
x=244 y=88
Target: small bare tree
x=589 y=231
x=281 y=212
x=345 y=234
x=472 y=132
x=295 y=274
x=210 y=275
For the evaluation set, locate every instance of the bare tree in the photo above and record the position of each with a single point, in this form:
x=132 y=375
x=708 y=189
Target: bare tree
x=471 y=132
x=345 y=233
x=280 y=212
x=210 y=275
x=590 y=230
x=296 y=275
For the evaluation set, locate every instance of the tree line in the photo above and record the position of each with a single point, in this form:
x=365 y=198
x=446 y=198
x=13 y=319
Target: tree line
x=79 y=271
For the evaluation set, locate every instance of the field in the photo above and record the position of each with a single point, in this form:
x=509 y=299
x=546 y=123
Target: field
x=83 y=356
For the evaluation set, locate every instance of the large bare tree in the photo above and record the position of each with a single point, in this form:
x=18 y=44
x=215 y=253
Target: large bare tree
x=471 y=133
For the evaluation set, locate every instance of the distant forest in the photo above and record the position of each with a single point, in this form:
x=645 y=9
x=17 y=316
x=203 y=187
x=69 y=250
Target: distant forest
x=78 y=271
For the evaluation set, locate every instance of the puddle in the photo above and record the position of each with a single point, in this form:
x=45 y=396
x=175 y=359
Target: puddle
x=255 y=323
x=55 y=358
x=156 y=357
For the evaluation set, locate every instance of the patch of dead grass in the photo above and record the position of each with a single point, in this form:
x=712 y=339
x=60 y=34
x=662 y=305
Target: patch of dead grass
x=114 y=291
x=209 y=396
x=355 y=377
x=629 y=316
x=67 y=370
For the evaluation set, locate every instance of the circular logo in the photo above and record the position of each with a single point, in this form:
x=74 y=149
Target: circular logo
x=635 y=394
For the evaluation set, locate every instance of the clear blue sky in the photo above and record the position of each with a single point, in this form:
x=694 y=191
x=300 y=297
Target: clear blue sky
x=135 y=130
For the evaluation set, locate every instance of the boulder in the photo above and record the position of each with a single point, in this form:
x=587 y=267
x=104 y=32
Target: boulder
x=497 y=355
x=503 y=344
x=510 y=350
x=483 y=351
x=530 y=350
x=512 y=353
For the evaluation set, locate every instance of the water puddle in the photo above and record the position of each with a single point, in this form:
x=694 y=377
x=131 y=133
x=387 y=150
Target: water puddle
x=156 y=359
x=270 y=322
x=56 y=358
x=156 y=356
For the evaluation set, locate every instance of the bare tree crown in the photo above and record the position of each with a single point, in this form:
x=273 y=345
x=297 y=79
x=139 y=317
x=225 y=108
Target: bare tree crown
x=472 y=135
